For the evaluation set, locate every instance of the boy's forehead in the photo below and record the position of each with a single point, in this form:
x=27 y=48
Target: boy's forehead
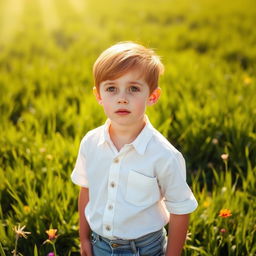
x=134 y=74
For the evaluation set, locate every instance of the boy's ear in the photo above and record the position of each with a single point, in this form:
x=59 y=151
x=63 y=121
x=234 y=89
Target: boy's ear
x=97 y=95
x=154 y=96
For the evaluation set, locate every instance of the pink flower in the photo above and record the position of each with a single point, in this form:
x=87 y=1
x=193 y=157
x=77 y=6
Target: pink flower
x=223 y=230
x=51 y=254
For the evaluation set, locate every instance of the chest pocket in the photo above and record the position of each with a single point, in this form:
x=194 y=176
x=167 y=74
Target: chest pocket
x=141 y=190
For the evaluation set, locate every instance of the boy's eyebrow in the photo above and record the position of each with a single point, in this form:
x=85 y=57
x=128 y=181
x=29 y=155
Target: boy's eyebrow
x=110 y=82
x=136 y=82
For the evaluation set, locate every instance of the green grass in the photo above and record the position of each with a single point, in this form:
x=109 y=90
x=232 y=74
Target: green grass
x=207 y=108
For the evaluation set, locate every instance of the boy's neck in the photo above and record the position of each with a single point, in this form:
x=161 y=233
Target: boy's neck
x=121 y=135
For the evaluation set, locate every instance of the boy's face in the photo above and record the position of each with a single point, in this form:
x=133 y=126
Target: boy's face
x=125 y=99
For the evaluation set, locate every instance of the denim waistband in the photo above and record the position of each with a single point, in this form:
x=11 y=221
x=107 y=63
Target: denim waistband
x=138 y=242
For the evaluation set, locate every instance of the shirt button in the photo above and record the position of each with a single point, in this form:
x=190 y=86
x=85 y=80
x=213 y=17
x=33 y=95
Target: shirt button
x=112 y=184
x=110 y=207
x=116 y=160
x=108 y=228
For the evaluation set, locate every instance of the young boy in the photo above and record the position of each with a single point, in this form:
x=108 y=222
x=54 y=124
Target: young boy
x=133 y=181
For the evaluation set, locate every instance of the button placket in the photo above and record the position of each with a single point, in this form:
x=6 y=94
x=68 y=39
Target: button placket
x=108 y=216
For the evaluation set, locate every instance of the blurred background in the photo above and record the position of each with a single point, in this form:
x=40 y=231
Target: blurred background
x=207 y=110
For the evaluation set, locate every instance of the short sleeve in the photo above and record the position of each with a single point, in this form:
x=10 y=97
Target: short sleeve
x=178 y=197
x=79 y=176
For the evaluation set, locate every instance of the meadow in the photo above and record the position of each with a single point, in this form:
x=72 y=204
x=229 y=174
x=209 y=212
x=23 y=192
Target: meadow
x=207 y=110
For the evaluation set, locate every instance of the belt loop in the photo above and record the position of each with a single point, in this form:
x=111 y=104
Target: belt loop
x=99 y=237
x=133 y=246
x=96 y=236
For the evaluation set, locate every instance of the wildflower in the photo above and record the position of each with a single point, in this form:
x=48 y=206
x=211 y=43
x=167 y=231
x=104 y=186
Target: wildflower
x=215 y=229
x=224 y=157
x=26 y=208
x=44 y=169
x=223 y=231
x=224 y=189
x=51 y=240
x=215 y=141
x=24 y=139
x=188 y=236
x=247 y=80
x=225 y=213
x=19 y=231
x=51 y=234
x=42 y=150
x=49 y=157
x=207 y=202
x=32 y=110
x=233 y=247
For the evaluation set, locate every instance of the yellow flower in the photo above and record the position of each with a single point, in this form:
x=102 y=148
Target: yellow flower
x=26 y=208
x=206 y=204
x=19 y=231
x=207 y=201
x=247 y=80
x=51 y=234
x=225 y=213
x=49 y=157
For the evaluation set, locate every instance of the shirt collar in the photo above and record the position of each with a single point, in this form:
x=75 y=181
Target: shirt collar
x=141 y=141
x=104 y=136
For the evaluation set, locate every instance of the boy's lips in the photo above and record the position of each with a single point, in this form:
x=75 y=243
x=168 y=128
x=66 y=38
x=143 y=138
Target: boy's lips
x=123 y=112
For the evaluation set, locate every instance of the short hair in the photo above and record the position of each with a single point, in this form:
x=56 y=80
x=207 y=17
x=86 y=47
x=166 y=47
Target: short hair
x=124 y=56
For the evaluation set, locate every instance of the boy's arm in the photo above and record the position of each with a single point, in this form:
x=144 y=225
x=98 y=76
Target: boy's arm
x=177 y=232
x=84 y=229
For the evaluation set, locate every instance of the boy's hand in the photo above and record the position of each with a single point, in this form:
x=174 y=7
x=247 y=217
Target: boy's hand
x=86 y=248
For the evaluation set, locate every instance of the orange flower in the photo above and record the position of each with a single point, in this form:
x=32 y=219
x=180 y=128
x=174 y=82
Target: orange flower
x=51 y=234
x=225 y=213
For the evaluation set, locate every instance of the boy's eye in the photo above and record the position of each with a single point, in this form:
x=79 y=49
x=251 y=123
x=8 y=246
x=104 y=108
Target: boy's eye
x=111 y=89
x=134 y=89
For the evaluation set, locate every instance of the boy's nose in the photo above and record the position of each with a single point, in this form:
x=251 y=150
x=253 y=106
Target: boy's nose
x=122 y=98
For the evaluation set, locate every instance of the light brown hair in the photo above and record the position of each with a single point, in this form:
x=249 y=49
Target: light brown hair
x=125 y=56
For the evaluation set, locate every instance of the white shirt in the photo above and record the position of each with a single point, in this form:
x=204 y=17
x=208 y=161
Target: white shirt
x=131 y=191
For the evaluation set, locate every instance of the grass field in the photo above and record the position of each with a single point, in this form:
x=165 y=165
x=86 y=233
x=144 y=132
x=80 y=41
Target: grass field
x=207 y=110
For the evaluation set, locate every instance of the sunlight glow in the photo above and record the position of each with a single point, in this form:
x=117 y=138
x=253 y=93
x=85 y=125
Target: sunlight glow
x=10 y=20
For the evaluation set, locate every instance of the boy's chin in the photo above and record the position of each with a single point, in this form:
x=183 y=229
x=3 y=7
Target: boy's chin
x=127 y=121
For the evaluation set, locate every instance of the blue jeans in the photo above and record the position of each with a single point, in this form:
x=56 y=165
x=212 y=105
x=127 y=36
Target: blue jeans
x=153 y=244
